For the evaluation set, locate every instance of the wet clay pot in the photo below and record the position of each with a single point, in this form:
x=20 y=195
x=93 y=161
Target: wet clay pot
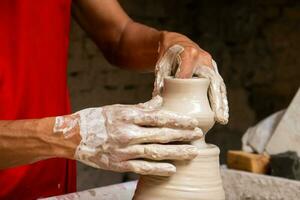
x=197 y=179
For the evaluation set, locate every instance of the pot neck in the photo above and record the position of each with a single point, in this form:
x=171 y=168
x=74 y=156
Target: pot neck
x=194 y=89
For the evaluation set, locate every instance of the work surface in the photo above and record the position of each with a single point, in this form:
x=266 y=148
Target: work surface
x=238 y=185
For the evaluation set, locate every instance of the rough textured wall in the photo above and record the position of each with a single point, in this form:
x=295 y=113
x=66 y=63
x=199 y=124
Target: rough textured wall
x=255 y=43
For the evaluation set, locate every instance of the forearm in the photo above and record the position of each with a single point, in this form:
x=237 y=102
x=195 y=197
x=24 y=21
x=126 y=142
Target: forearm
x=138 y=47
x=28 y=141
x=131 y=45
x=123 y=42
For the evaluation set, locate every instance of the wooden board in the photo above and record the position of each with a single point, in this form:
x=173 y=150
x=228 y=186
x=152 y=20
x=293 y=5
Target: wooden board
x=256 y=163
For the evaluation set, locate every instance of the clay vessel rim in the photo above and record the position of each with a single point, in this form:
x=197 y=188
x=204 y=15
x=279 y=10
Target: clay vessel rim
x=194 y=79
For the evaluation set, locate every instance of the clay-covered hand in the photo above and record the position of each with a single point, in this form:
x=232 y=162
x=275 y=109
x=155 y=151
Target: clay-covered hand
x=126 y=137
x=180 y=56
x=190 y=55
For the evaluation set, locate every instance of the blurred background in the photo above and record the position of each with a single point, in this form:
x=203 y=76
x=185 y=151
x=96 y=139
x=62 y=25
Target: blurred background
x=255 y=43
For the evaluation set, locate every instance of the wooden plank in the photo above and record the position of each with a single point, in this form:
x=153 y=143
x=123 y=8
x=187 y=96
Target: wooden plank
x=256 y=163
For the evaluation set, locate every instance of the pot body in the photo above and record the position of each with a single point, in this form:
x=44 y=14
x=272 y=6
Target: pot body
x=198 y=179
x=189 y=97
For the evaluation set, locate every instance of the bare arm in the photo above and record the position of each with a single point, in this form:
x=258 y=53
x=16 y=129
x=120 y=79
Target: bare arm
x=28 y=141
x=102 y=138
x=131 y=45
x=123 y=41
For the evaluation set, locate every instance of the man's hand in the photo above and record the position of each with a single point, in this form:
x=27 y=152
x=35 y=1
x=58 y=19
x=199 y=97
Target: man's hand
x=132 y=45
x=180 y=57
x=190 y=55
x=126 y=137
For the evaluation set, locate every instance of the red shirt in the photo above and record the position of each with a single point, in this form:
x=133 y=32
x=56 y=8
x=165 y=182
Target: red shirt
x=34 y=40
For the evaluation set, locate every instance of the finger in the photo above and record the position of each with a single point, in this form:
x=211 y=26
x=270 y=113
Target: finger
x=223 y=115
x=188 y=60
x=192 y=57
x=217 y=92
x=217 y=95
x=147 y=168
x=154 y=103
x=139 y=135
x=163 y=118
x=164 y=66
x=158 y=152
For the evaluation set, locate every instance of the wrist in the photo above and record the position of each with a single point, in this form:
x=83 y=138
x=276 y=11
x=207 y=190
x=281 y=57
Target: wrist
x=57 y=145
x=162 y=43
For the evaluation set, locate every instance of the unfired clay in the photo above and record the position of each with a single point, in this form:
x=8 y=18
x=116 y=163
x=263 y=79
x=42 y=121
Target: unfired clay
x=197 y=179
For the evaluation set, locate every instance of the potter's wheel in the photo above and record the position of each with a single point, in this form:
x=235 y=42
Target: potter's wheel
x=237 y=184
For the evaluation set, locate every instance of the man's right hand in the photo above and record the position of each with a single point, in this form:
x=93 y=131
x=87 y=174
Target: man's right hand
x=131 y=138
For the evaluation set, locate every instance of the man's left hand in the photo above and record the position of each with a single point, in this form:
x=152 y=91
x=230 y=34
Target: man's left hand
x=190 y=57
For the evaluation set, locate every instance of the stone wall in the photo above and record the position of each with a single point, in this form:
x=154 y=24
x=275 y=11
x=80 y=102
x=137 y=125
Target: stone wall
x=255 y=43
